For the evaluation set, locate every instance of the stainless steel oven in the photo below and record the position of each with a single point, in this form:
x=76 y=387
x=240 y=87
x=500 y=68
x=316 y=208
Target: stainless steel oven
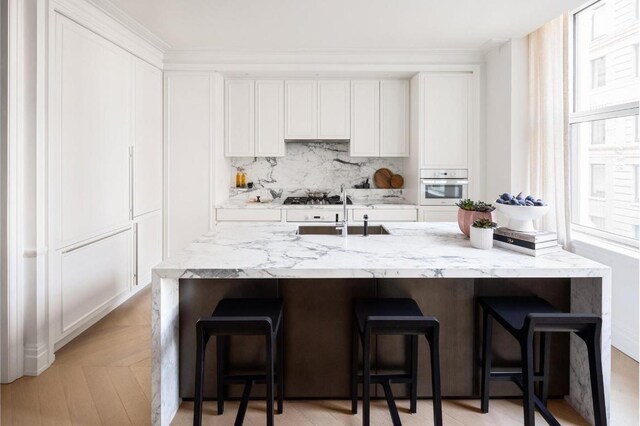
x=442 y=187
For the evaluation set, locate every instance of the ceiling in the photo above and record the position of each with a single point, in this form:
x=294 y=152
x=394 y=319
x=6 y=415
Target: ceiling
x=282 y=25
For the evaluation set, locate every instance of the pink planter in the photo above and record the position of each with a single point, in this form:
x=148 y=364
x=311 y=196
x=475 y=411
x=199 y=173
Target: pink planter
x=467 y=217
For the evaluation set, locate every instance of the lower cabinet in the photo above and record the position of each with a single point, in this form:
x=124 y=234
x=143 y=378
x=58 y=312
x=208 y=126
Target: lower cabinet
x=385 y=215
x=248 y=215
x=148 y=245
x=90 y=277
x=439 y=214
x=314 y=215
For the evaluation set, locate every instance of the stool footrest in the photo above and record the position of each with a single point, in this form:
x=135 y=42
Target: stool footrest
x=388 y=378
x=512 y=376
x=259 y=379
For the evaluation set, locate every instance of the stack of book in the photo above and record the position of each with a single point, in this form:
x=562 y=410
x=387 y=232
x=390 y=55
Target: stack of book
x=532 y=243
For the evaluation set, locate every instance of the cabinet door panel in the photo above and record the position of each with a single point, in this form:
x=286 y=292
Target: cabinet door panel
x=394 y=118
x=365 y=118
x=92 y=276
x=446 y=121
x=239 y=118
x=301 y=109
x=90 y=147
x=333 y=109
x=149 y=247
x=147 y=143
x=269 y=118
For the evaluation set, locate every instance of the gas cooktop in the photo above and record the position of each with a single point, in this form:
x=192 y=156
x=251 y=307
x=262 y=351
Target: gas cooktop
x=326 y=200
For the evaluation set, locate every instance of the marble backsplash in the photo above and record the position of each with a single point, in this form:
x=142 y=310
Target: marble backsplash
x=322 y=166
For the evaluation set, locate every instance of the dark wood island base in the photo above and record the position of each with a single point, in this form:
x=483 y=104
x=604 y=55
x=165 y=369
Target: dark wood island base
x=317 y=328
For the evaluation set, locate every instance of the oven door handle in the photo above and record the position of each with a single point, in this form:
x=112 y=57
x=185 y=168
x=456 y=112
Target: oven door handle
x=444 y=182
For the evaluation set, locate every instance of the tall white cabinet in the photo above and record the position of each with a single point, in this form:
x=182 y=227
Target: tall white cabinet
x=446 y=120
x=105 y=176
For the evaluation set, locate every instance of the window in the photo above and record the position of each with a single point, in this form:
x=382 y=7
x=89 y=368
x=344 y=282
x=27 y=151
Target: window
x=598 y=222
x=597 y=132
x=597 y=179
x=635 y=184
x=598 y=72
x=603 y=122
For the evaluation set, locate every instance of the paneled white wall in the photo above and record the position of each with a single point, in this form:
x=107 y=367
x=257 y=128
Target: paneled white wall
x=189 y=130
x=105 y=175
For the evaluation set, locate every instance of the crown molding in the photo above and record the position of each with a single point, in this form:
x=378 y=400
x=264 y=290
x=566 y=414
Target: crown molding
x=131 y=24
x=209 y=59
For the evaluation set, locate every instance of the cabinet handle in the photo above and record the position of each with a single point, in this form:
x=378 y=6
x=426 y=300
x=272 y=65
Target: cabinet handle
x=316 y=217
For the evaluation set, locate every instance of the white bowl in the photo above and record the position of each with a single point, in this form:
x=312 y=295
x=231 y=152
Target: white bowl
x=521 y=217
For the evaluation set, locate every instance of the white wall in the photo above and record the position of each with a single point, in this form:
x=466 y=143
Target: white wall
x=625 y=285
x=506 y=114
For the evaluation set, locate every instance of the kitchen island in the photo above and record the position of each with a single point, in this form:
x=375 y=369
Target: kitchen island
x=318 y=275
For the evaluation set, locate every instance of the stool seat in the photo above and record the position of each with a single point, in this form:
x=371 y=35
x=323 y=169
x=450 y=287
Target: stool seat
x=523 y=317
x=512 y=312
x=272 y=308
x=394 y=316
x=364 y=308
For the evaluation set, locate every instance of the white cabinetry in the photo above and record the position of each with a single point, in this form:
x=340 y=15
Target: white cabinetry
x=301 y=109
x=248 y=215
x=148 y=243
x=365 y=118
x=394 y=118
x=147 y=141
x=314 y=215
x=446 y=121
x=269 y=118
x=379 y=118
x=254 y=118
x=439 y=214
x=385 y=215
x=239 y=134
x=317 y=109
x=334 y=116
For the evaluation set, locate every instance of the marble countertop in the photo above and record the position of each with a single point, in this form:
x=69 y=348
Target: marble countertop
x=391 y=203
x=413 y=250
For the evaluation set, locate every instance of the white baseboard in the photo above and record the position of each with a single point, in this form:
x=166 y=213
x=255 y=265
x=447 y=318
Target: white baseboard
x=36 y=359
x=626 y=341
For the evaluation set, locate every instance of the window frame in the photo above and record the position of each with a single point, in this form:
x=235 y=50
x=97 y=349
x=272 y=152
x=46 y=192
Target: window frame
x=612 y=111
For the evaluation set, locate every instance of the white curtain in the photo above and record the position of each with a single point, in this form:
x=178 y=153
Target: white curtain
x=549 y=142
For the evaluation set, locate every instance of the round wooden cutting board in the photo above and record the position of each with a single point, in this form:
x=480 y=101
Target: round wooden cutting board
x=397 y=181
x=382 y=178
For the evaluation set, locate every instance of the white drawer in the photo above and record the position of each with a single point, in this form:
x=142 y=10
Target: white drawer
x=248 y=215
x=439 y=214
x=386 y=215
x=313 y=215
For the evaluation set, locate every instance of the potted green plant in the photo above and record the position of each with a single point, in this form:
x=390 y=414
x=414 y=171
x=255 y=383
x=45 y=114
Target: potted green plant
x=482 y=233
x=470 y=210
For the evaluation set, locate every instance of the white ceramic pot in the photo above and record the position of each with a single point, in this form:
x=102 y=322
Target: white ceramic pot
x=481 y=238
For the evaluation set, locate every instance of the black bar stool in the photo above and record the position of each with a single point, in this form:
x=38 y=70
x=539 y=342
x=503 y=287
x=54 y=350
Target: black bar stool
x=393 y=316
x=241 y=317
x=522 y=317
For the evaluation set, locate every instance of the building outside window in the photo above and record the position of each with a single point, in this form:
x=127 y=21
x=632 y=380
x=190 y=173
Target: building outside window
x=603 y=121
x=597 y=132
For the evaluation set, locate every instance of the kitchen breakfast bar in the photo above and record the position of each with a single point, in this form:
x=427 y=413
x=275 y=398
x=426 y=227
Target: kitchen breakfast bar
x=317 y=276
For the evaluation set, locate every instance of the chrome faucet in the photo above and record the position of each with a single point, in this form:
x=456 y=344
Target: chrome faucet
x=344 y=224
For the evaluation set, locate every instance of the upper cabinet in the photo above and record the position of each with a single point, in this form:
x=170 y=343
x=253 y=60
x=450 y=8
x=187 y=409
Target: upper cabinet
x=317 y=109
x=365 y=118
x=269 y=118
x=254 y=118
x=394 y=118
x=446 y=121
x=334 y=116
x=301 y=109
x=239 y=118
x=147 y=141
x=379 y=118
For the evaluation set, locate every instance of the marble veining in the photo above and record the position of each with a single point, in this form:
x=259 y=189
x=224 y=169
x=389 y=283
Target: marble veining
x=412 y=250
x=311 y=165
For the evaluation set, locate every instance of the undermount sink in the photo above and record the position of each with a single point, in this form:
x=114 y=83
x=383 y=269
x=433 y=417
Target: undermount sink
x=332 y=230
